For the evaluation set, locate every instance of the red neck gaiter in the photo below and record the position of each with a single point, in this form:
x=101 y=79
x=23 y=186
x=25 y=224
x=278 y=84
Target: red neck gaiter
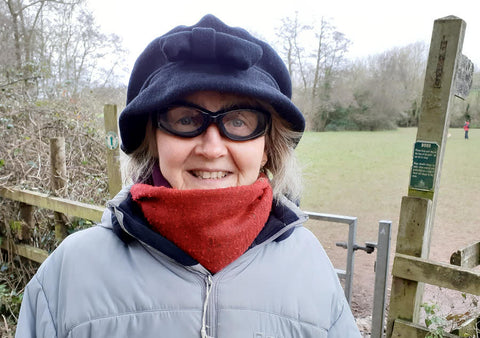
x=214 y=226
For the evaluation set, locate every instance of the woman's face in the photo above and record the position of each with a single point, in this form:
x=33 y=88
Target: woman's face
x=210 y=161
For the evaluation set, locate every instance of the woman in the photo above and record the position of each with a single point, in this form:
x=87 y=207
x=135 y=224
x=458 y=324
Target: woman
x=466 y=127
x=207 y=242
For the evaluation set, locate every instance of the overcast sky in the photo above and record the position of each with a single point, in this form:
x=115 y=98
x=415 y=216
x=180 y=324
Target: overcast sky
x=373 y=26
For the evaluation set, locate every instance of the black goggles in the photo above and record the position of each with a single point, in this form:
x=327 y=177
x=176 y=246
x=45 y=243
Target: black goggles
x=190 y=120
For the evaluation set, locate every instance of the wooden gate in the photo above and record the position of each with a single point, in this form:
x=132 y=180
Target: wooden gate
x=61 y=206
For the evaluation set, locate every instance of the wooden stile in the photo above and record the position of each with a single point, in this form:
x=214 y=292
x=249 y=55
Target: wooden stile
x=411 y=268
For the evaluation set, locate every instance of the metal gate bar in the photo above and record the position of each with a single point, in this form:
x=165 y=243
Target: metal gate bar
x=381 y=275
x=346 y=274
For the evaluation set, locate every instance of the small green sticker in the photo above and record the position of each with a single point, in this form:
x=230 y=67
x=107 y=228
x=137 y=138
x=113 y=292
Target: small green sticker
x=423 y=168
x=111 y=140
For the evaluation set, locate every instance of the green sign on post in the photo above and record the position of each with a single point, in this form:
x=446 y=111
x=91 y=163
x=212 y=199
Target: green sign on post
x=423 y=168
x=111 y=140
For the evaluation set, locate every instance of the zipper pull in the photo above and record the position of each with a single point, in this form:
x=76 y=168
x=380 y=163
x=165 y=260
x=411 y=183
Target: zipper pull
x=208 y=282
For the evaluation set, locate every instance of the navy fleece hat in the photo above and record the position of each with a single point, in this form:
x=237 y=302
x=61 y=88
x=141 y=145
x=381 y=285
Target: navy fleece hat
x=207 y=56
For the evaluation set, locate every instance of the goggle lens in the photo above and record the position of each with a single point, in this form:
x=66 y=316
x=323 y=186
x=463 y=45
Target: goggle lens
x=238 y=124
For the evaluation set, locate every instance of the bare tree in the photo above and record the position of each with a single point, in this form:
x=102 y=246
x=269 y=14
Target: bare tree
x=332 y=47
x=315 y=68
x=7 y=53
x=290 y=33
x=24 y=20
x=57 y=46
x=329 y=57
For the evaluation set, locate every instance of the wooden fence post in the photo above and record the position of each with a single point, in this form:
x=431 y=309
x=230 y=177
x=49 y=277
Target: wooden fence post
x=58 y=169
x=468 y=257
x=113 y=152
x=26 y=214
x=418 y=208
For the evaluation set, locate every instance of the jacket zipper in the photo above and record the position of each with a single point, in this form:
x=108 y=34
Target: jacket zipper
x=203 y=331
x=210 y=315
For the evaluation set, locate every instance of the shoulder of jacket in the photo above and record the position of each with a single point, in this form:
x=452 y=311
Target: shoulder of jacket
x=77 y=245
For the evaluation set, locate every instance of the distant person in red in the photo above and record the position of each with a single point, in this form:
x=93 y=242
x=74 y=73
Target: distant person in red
x=466 y=127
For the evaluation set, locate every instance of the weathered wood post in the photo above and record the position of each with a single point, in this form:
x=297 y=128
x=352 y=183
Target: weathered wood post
x=113 y=152
x=26 y=214
x=418 y=208
x=468 y=257
x=58 y=170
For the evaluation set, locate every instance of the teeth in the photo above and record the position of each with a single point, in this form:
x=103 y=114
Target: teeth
x=210 y=174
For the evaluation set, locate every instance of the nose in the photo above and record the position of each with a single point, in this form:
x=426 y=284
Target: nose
x=212 y=143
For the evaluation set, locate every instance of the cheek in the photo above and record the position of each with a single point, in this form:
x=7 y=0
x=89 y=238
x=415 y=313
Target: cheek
x=250 y=158
x=166 y=159
x=169 y=160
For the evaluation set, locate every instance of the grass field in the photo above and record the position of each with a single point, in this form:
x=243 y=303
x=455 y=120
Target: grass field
x=365 y=174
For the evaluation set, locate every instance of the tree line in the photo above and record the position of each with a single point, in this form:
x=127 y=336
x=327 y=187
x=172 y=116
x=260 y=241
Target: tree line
x=52 y=49
x=55 y=50
x=378 y=92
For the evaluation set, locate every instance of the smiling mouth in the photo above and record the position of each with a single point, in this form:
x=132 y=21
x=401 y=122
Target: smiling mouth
x=213 y=175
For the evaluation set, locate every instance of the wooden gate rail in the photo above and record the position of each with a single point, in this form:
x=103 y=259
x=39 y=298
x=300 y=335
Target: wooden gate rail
x=61 y=205
x=468 y=257
x=408 y=329
x=427 y=271
x=65 y=206
x=436 y=273
x=32 y=253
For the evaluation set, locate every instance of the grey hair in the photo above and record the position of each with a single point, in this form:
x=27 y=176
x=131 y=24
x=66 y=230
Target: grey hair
x=281 y=167
x=139 y=164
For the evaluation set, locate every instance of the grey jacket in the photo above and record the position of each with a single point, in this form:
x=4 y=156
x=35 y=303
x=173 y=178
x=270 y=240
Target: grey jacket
x=109 y=281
